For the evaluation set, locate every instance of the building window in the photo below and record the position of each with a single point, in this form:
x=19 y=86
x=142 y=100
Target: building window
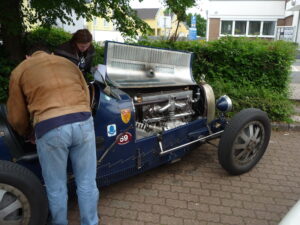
x=248 y=28
x=268 y=28
x=95 y=21
x=240 y=27
x=254 y=28
x=105 y=23
x=226 y=27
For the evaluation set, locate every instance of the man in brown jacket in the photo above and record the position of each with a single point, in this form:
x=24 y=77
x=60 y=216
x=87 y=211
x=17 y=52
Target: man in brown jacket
x=48 y=95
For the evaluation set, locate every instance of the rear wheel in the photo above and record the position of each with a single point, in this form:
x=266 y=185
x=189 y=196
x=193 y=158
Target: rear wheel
x=244 y=141
x=22 y=197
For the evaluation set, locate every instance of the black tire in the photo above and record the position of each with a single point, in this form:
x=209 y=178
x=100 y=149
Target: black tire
x=22 y=191
x=244 y=141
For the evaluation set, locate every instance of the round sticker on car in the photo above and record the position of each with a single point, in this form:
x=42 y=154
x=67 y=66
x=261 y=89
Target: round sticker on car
x=125 y=138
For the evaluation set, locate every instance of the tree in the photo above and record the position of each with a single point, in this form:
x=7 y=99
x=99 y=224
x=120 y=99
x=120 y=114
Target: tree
x=17 y=16
x=179 y=7
x=200 y=24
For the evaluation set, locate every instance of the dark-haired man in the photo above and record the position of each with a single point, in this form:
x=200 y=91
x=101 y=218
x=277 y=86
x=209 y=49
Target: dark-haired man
x=49 y=93
x=79 y=50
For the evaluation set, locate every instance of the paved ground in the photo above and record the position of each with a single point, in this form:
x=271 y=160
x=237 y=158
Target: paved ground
x=295 y=88
x=295 y=80
x=196 y=190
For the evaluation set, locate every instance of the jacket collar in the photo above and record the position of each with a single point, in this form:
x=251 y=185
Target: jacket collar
x=36 y=53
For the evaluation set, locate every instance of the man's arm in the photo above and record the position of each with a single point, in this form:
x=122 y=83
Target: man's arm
x=17 y=113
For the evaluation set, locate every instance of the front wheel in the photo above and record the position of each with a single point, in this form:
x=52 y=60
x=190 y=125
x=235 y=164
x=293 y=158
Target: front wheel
x=22 y=197
x=244 y=141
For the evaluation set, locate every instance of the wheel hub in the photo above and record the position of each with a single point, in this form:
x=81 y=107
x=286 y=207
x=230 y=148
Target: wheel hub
x=251 y=145
x=14 y=206
x=247 y=143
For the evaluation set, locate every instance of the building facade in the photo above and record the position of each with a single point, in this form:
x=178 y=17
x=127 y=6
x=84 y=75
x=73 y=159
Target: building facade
x=162 y=23
x=79 y=23
x=268 y=19
x=103 y=30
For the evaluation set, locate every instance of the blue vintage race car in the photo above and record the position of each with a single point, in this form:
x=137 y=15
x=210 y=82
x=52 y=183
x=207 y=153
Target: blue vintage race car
x=148 y=111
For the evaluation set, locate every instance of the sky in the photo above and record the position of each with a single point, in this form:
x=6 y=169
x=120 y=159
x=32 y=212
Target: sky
x=200 y=7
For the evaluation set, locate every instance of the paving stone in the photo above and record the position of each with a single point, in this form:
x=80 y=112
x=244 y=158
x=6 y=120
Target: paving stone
x=170 y=220
x=197 y=191
x=149 y=217
x=232 y=220
x=168 y=194
x=163 y=210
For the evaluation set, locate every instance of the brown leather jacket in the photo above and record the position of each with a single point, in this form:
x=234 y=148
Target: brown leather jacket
x=45 y=86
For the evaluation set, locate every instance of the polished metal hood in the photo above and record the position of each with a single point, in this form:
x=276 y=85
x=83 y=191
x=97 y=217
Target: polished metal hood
x=132 y=66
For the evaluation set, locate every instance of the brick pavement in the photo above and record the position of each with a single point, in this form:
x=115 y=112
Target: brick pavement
x=196 y=190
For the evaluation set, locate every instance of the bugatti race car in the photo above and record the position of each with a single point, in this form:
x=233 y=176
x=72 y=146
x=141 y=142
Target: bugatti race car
x=148 y=111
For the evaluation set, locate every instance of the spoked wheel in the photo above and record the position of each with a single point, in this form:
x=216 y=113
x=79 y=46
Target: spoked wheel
x=244 y=141
x=14 y=206
x=22 y=197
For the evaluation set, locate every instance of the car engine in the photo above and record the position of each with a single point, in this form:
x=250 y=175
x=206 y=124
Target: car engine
x=164 y=110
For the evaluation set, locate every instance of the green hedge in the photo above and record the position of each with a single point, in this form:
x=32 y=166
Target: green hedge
x=5 y=69
x=47 y=37
x=253 y=72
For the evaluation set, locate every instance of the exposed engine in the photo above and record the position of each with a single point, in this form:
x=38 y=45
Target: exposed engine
x=159 y=111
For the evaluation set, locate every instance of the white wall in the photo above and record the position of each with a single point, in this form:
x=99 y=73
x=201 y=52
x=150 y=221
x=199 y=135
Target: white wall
x=247 y=9
x=79 y=24
x=296 y=24
x=293 y=5
x=108 y=36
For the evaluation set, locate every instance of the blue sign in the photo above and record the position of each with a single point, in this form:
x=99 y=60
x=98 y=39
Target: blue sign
x=192 y=34
x=193 y=21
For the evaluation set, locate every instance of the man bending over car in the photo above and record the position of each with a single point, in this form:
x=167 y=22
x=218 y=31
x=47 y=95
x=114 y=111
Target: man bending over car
x=48 y=95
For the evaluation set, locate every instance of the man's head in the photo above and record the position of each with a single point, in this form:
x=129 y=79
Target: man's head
x=82 y=39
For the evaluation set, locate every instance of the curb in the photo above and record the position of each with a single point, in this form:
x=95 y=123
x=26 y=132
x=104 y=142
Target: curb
x=285 y=126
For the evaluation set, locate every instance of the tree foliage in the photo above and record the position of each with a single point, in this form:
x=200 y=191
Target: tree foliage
x=48 y=11
x=17 y=16
x=179 y=7
x=200 y=24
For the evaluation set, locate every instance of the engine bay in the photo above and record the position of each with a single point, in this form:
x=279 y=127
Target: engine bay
x=160 y=110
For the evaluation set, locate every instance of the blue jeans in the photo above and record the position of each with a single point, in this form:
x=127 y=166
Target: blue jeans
x=76 y=140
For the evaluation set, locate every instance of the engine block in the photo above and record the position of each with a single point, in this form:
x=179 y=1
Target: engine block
x=159 y=111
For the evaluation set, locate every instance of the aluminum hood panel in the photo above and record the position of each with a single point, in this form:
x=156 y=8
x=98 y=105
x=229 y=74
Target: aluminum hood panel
x=132 y=66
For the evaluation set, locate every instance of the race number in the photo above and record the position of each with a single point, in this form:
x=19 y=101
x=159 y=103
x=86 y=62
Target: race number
x=125 y=138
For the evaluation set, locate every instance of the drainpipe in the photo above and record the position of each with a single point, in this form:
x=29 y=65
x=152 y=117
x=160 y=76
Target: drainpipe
x=297 y=28
x=207 y=26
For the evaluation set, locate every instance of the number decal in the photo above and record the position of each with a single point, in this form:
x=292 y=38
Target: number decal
x=125 y=138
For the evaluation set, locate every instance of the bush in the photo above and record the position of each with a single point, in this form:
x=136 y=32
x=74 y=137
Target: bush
x=99 y=56
x=277 y=105
x=50 y=38
x=253 y=72
x=5 y=69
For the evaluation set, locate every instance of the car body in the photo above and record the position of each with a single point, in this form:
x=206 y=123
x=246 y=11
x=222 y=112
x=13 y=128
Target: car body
x=293 y=216
x=148 y=111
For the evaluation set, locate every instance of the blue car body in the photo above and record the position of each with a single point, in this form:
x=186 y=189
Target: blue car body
x=123 y=160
